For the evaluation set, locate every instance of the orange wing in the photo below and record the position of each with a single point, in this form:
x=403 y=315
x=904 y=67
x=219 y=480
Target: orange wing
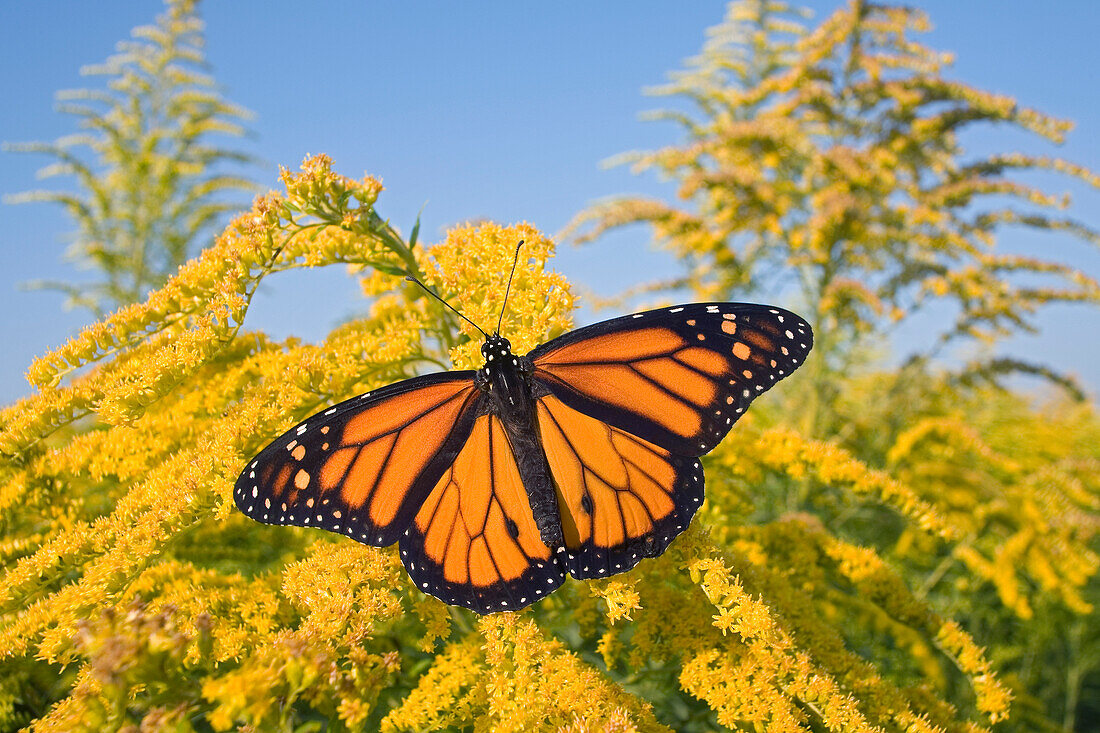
x=625 y=407
x=620 y=497
x=363 y=467
x=474 y=542
x=678 y=377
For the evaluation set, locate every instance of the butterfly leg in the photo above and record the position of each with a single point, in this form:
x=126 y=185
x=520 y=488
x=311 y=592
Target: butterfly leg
x=481 y=380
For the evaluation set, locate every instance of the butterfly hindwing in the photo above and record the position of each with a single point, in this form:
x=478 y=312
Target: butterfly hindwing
x=363 y=467
x=620 y=497
x=474 y=542
x=678 y=377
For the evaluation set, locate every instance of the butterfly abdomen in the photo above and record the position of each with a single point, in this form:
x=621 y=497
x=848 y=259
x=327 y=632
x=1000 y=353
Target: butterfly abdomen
x=535 y=472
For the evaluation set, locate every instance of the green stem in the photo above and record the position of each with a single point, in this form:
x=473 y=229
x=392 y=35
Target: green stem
x=1073 y=678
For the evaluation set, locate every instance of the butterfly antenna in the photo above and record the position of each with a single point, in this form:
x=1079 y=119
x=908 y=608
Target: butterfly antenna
x=428 y=290
x=515 y=261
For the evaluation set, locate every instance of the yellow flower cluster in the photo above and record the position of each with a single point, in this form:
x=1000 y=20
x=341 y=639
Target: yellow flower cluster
x=783 y=658
x=124 y=560
x=749 y=454
x=517 y=679
x=1029 y=524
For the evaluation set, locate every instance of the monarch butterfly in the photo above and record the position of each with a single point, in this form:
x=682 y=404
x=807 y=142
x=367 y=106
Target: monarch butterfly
x=581 y=457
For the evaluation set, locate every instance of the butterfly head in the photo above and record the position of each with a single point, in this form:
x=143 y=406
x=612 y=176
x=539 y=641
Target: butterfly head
x=496 y=347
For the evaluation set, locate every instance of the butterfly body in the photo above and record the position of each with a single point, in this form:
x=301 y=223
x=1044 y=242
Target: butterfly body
x=580 y=458
x=505 y=381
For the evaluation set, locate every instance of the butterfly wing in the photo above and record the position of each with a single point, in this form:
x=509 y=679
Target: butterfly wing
x=677 y=377
x=620 y=497
x=474 y=542
x=363 y=467
x=625 y=408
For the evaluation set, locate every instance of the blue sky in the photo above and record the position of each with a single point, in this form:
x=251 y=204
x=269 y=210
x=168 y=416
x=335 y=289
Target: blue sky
x=497 y=110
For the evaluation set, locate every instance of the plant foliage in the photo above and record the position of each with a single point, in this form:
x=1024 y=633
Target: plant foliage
x=917 y=554
x=152 y=184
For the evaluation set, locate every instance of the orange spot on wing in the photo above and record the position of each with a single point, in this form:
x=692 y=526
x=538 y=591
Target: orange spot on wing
x=301 y=479
x=742 y=351
x=473 y=463
x=407 y=459
x=759 y=340
x=607 y=519
x=508 y=491
x=428 y=508
x=576 y=526
x=635 y=516
x=279 y=486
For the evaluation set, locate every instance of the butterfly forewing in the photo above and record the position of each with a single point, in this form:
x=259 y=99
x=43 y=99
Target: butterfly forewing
x=678 y=377
x=474 y=542
x=620 y=497
x=364 y=466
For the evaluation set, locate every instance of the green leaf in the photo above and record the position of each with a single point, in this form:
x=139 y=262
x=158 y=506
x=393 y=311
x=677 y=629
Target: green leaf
x=416 y=228
x=389 y=269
